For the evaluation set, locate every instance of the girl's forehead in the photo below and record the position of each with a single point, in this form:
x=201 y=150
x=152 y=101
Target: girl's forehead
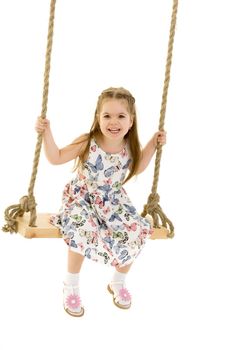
x=109 y=104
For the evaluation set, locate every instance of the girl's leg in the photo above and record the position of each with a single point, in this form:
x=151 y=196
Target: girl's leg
x=120 y=275
x=71 y=292
x=121 y=297
x=75 y=261
x=124 y=269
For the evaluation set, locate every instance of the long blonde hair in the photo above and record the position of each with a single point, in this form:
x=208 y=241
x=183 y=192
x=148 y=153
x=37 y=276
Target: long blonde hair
x=131 y=137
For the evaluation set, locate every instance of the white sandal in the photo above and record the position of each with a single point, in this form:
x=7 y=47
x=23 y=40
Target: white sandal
x=121 y=298
x=71 y=301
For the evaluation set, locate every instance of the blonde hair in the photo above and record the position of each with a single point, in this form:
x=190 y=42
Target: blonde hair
x=131 y=137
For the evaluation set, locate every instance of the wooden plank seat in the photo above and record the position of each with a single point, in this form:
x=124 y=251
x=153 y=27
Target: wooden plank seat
x=43 y=229
x=46 y=230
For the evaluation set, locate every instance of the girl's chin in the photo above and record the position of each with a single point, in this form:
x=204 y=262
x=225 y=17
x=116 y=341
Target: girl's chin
x=114 y=134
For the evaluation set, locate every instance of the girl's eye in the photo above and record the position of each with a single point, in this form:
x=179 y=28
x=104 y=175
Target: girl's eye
x=106 y=116
x=121 y=116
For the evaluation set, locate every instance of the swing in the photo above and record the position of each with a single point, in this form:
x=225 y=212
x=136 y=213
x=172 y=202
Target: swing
x=35 y=225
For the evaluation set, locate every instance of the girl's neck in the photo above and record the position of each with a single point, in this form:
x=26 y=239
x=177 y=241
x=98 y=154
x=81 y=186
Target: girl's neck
x=111 y=146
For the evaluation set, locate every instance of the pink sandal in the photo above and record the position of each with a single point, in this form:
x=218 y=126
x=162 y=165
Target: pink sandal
x=71 y=301
x=121 y=298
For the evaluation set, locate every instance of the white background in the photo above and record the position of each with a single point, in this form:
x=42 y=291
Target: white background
x=182 y=288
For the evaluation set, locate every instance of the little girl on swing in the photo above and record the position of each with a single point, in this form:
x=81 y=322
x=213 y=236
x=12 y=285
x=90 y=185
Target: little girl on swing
x=97 y=219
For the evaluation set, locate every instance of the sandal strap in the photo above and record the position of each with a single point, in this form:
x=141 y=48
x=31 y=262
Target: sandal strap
x=71 y=287
x=117 y=282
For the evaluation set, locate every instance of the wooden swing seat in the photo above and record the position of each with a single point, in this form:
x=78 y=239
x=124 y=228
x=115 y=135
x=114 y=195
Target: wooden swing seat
x=43 y=229
x=46 y=230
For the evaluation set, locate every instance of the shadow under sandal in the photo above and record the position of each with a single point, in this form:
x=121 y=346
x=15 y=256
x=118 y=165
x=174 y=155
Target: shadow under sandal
x=121 y=296
x=72 y=301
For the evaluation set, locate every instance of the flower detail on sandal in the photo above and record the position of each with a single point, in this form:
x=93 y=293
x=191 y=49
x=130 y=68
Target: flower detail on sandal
x=73 y=301
x=124 y=294
x=121 y=296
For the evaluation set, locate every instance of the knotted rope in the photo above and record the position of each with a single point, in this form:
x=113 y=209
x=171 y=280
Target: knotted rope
x=152 y=207
x=27 y=203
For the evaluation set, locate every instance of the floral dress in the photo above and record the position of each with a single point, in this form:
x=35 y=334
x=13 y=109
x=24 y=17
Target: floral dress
x=97 y=218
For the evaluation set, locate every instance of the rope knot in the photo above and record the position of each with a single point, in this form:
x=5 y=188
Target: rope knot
x=27 y=203
x=153 y=202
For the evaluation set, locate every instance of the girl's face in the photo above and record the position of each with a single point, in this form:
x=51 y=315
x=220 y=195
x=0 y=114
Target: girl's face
x=115 y=119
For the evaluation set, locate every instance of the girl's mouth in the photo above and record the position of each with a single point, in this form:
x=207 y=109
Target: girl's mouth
x=114 y=131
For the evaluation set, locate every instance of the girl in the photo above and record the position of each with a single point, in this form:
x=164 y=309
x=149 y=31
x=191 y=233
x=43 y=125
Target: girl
x=97 y=218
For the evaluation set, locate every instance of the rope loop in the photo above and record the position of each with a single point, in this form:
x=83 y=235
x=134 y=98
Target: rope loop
x=26 y=204
x=10 y=215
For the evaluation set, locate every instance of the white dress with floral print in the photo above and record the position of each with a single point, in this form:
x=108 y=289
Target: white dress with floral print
x=97 y=218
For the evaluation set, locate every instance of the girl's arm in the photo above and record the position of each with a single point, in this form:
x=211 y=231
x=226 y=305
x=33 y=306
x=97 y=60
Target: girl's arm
x=149 y=150
x=53 y=153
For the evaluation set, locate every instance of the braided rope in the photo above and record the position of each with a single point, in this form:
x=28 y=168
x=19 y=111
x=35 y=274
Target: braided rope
x=152 y=207
x=27 y=203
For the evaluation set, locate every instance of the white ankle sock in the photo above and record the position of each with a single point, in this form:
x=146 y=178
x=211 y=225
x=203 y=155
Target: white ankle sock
x=119 y=278
x=72 y=279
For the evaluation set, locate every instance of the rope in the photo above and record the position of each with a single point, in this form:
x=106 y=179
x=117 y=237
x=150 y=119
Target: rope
x=27 y=203
x=152 y=207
